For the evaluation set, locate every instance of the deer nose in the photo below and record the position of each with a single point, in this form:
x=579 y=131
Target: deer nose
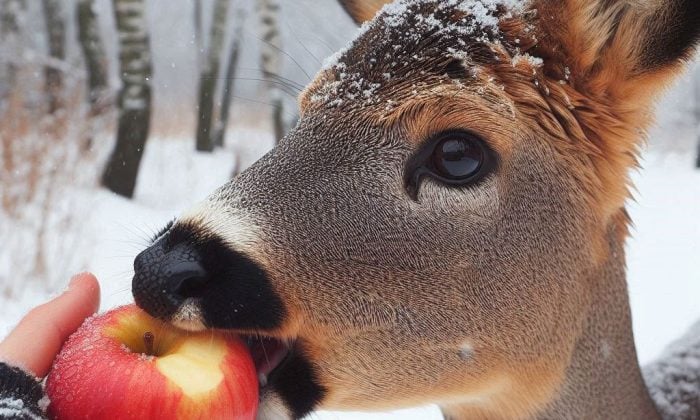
x=187 y=279
x=165 y=278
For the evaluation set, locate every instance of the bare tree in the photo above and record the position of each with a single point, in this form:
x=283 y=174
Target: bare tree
x=93 y=52
x=227 y=92
x=134 y=99
x=209 y=75
x=268 y=11
x=696 y=81
x=56 y=33
x=10 y=12
x=198 y=34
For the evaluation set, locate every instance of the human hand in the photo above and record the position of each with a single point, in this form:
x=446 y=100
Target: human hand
x=35 y=342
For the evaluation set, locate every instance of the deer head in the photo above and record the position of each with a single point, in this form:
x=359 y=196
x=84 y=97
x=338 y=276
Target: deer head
x=446 y=222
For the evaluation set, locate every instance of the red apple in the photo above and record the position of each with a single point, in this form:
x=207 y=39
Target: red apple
x=125 y=364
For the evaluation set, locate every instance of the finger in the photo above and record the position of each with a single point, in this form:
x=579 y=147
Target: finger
x=36 y=341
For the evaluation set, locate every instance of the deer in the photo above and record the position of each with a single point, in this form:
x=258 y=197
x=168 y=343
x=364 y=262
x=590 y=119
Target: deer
x=446 y=222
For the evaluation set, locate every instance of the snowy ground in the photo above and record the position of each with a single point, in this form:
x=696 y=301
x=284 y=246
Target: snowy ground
x=663 y=267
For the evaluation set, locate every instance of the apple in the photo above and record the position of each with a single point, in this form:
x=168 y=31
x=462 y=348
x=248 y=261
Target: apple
x=124 y=364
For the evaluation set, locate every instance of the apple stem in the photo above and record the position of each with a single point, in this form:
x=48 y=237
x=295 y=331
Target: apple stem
x=148 y=339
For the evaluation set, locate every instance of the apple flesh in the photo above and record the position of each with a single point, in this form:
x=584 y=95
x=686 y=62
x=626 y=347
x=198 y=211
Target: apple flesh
x=125 y=364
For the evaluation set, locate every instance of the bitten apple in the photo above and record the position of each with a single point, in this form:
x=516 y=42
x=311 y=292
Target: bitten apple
x=125 y=364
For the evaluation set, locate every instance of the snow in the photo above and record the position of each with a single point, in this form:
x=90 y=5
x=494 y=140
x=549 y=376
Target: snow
x=673 y=381
x=664 y=278
x=399 y=23
x=663 y=270
x=664 y=274
x=44 y=403
x=14 y=408
x=534 y=62
x=662 y=257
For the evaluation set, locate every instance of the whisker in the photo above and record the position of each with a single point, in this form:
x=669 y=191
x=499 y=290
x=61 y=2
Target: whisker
x=286 y=54
x=132 y=230
x=289 y=90
x=143 y=234
x=124 y=241
x=296 y=38
x=284 y=109
x=118 y=292
x=275 y=76
x=121 y=274
x=263 y=349
x=323 y=42
x=299 y=86
x=269 y=79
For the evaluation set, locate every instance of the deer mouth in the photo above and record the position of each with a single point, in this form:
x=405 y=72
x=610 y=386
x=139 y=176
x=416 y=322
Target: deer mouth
x=269 y=356
x=285 y=374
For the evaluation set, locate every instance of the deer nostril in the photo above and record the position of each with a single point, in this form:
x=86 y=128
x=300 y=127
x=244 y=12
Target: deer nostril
x=188 y=279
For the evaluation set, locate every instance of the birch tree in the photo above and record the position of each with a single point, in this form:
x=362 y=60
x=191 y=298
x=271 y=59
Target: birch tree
x=198 y=34
x=134 y=99
x=56 y=36
x=93 y=52
x=209 y=75
x=270 y=57
x=227 y=92
x=10 y=15
x=696 y=83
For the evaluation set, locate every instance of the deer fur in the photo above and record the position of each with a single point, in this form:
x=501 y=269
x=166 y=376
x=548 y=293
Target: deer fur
x=502 y=299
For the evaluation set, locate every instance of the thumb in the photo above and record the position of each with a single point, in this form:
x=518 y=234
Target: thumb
x=38 y=338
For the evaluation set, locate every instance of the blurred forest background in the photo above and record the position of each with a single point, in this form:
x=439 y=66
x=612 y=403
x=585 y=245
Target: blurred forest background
x=116 y=115
x=86 y=86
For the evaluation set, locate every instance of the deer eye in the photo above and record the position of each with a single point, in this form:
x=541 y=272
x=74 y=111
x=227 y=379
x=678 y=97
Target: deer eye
x=457 y=156
x=452 y=157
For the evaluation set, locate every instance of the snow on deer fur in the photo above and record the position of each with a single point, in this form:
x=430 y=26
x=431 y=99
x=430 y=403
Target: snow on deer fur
x=480 y=22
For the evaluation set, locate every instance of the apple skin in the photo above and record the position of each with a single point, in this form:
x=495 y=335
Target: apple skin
x=103 y=373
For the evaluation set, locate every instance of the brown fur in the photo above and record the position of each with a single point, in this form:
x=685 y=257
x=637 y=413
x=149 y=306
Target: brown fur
x=491 y=300
x=363 y=10
x=593 y=105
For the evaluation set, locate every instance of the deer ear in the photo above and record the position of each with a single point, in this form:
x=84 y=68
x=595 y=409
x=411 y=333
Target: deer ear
x=362 y=10
x=618 y=56
x=624 y=48
x=671 y=34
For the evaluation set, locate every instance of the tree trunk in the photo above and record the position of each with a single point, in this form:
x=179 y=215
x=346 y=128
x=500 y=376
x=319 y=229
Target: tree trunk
x=56 y=34
x=268 y=11
x=697 y=114
x=198 y=34
x=209 y=75
x=10 y=11
x=134 y=99
x=227 y=93
x=93 y=53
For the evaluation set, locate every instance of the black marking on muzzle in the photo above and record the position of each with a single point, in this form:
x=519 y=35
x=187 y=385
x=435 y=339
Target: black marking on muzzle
x=190 y=262
x=297 y=383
